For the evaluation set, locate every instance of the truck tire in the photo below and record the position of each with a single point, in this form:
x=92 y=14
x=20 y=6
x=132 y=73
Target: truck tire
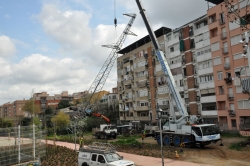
x=114 y=136
x=158 y=139
x=166 y=140
x=177 y=141
x=186 y=139
x=84 y=164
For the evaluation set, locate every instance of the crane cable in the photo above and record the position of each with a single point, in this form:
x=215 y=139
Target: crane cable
x=115 y=20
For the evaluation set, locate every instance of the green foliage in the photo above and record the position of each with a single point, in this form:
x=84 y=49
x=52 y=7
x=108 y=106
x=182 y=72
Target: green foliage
x=5 y=122
x=48 y=111
x=236 y=146
x=230 y=135
x=36 y=121
x=61 y=120
x=31 y=107
x=63 y=104
x=26 y=121
x=93 y=122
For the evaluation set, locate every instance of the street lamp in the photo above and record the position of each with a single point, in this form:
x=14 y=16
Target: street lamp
x=159 y=114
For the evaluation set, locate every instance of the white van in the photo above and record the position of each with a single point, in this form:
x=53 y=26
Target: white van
x=101 y=156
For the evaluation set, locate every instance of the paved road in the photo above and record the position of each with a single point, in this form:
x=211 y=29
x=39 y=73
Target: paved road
x=139 y=160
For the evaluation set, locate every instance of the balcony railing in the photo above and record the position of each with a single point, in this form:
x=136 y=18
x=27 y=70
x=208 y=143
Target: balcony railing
x=231 y=113
x=228 y=80
x=223 y=35
x=225 y=50
x=230 y=97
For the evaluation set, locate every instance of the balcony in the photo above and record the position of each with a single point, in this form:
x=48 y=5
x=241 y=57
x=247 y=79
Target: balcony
x=231 y=113
x=228 y=80
x=142 y=118
x=227 y=66
x=161 y=83
x=230 y=97
x=222 y=21
x=224 y=50
x=191 y=33
x=142 y=108
x=198 y=99
x=223 y=35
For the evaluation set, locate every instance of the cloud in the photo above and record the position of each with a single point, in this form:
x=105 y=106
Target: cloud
x=7 y=46
x=68 y=28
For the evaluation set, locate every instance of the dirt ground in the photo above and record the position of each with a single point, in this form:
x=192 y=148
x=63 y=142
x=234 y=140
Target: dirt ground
x=214 y=154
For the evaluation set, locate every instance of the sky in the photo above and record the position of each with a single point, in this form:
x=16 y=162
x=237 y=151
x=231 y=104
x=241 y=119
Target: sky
x=56 y=45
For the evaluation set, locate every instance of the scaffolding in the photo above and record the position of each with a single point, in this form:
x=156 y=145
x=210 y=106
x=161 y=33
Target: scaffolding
x=21 y=144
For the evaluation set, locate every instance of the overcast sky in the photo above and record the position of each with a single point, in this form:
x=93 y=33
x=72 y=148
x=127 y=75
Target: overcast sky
x=55 y=45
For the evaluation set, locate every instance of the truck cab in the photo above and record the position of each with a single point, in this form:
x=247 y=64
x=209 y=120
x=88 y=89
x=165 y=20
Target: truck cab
x=101 y=156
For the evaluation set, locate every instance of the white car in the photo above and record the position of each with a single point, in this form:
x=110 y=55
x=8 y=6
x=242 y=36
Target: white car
x=94 y=156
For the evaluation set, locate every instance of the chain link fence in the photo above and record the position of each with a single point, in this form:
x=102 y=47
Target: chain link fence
x=21 y=144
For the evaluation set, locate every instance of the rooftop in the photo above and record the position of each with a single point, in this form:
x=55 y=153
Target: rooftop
x=159 y=32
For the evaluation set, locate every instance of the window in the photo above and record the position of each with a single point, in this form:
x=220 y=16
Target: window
x=192 y=44
x=244 y=3
x=215 y=46
x=220 y=75
x=240 y=72
x=174 y=48
x=201 y=24
x=235 y=40
x=244 y=104
x=203 y=50
x=213 y=32
x=233 y=122
x=237 y=56
x=181 y=83
x=222 y=18
x=221 y=90
x=238 y=89
x=175 y=60
x=101 y=159
x=206 y=78
x=212 y=18
x=205 y=64
x=94 y=156
x=217 y=61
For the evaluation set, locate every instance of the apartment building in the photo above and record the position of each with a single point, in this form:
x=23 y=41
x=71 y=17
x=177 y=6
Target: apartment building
x=228 y=64
x=142 y=84
x=12 y=110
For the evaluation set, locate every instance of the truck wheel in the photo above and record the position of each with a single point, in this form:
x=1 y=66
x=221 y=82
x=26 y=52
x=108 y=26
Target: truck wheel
x=177 y=141
x=114 y=137
x=158 y=139
x=84 y=164
x=98 y=136
x=186 y=139
x=166 y=140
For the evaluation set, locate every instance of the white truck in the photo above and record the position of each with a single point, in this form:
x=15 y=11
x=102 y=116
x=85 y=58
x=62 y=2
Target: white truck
x=101 y=156
x=187 y=129
x=105 y=131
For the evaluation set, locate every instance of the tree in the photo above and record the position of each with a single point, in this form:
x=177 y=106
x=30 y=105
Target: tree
x=4 y=123
x=48 y=111
x=31 y=107
x=63 y=104
x=61 y=120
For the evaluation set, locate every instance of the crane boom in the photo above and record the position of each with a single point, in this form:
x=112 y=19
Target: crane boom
x=101 y=77
x=162 y=59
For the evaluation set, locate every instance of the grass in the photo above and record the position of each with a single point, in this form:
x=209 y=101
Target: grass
x=236 y=146
x=128 y=141
x=231 y=135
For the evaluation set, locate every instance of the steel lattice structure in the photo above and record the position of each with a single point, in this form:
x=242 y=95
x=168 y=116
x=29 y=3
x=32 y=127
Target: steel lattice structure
x=97 y=85
x=103 y=74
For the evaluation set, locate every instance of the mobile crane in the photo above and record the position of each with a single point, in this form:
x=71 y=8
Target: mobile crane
x=106 y=130
x=186 y=130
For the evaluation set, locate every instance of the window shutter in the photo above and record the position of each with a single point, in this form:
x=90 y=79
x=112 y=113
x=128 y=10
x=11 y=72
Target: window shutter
x=215 y=46
x=217 y=61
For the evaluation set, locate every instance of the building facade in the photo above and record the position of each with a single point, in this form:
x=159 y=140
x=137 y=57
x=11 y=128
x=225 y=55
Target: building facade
x=205 y=59
x=229 y=66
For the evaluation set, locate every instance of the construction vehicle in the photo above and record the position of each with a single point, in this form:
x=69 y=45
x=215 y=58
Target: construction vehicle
x=101 y=154
x=186 y=130
x=106 y=130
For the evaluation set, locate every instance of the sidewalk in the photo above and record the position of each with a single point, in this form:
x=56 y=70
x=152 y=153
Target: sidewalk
x=139 y=160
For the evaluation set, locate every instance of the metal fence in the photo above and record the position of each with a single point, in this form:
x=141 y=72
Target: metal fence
x=21 y=144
